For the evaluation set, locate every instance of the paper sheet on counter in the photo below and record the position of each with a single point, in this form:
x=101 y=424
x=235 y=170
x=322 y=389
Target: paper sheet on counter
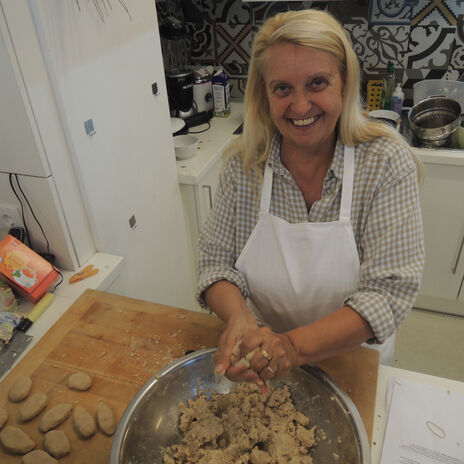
x=425 y=424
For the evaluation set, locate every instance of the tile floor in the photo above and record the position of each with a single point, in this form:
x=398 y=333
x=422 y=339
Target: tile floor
x=431 y=343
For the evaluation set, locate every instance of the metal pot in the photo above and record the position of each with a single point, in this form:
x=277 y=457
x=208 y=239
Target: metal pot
x=434 y=119
x=150 y=422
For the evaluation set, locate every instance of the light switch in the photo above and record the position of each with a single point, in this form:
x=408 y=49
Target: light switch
x=89 y=127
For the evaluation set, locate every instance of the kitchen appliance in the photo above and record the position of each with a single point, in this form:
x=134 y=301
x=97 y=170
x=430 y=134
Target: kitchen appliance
x=176 y=49
x=203 y=93
x=180 y=92
x=150 y=422
x=433 y=121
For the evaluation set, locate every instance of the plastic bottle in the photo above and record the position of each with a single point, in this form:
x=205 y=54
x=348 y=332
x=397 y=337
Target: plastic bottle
x=388 y=86
x=221 y=93
x=398 y=97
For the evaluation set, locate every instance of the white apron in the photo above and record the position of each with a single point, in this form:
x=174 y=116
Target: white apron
x=298 y=273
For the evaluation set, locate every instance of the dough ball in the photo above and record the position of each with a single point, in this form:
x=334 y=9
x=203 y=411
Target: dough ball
x=38 y=457
x=79 y=381
x=55 y=416
x=33 y=406
x=3 y=417
x=83 y=422
x=105 y=419
x=15 y=441
x=20 y=389
x=56 y=443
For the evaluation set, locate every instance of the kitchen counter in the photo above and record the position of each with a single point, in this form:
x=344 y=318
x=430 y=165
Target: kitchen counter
x=211 y=144
x=220 y=135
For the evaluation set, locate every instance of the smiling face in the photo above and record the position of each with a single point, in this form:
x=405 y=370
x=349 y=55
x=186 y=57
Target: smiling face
x=305 y=94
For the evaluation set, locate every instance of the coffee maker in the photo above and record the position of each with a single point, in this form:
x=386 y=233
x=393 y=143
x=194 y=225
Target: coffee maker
x=176 y=47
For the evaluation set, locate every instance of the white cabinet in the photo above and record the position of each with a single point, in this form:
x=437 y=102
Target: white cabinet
x=199 y=176
x=24 y=154
x=442 y=201
x=197 y=202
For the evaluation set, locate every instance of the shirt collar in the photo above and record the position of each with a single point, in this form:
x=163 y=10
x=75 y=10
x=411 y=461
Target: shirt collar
x=336 y=168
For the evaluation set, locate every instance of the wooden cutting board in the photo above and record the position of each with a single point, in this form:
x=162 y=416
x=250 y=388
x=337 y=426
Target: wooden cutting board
x=121 y=342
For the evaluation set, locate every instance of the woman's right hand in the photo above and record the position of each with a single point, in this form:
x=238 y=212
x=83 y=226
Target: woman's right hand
x=236 y=328
x=226 y=300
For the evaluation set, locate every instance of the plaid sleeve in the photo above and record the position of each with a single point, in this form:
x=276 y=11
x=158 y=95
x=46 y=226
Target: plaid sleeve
x=217 y=242
x=393 y=255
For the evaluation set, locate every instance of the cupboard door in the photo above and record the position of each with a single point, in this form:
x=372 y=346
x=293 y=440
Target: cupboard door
x=460 y=266
x=22 y=151
x=205 y=192
x=443 y=218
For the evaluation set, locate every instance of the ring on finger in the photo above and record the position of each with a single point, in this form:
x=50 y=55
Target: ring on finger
x=265 y=354
x=271 y=370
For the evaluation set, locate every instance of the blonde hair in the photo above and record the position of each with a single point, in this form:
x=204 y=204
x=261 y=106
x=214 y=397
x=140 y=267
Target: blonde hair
x=321 y=31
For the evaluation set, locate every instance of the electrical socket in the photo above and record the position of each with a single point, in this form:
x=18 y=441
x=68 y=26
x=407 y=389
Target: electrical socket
x=9 y=216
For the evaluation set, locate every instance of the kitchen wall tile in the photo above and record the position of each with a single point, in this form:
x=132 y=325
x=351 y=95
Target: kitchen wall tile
x=264 y=10
x=169 y=8
x=386 y=43
x=347 y=10
x=430 y=46
x=457 y=56
x=223 y=11
x=237 y=88
x=296 y=6
x=389 y=12
x=233 y=42
x=424 y=38
x=453 y=75
x=235 y=69
x=238 y=73
x=357 y=31
x=203 y=43
x=442 y=12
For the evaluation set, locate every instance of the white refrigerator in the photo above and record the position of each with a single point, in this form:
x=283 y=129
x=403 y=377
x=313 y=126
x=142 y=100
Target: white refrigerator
x=85 y=129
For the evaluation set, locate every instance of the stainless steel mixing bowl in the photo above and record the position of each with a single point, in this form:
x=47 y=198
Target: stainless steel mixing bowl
x=149 y=423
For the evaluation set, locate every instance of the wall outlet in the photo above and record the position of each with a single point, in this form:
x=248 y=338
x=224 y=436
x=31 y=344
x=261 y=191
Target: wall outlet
x=9 y=216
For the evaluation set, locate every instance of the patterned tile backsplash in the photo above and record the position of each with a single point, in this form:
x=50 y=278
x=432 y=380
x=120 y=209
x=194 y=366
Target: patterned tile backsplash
x=424 y=38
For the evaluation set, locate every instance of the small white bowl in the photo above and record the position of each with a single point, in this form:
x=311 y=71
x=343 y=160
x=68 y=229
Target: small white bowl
x=185 y=146
x=384 y=114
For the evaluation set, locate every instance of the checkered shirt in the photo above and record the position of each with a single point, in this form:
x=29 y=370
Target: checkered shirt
x=385 y=216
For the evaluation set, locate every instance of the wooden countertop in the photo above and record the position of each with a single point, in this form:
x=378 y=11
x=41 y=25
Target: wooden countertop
x=121 y=342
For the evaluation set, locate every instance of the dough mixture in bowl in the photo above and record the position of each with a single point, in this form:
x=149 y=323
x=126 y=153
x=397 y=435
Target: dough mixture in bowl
x=243 y=426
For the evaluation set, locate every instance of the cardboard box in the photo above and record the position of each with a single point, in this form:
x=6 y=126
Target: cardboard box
x=24 y=270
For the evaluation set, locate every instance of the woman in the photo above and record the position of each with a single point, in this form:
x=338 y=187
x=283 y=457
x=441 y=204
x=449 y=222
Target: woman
x=316 y=230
